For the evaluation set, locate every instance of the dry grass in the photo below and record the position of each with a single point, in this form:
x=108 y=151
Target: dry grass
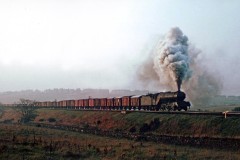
x=72 y=145
x=10 y=115
x=104 y=120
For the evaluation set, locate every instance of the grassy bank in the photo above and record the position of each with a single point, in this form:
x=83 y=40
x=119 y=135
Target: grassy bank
x=186 y=125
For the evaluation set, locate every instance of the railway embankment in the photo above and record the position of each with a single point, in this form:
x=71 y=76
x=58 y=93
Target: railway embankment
x=144 y=123
x=133 y=122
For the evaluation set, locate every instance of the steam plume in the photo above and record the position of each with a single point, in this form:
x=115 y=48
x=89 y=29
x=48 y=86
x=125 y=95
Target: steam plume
x=203 y=84
x=171 y=60
x=174 y=62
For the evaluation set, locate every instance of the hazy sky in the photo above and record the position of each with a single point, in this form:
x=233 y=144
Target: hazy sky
x=99 y=44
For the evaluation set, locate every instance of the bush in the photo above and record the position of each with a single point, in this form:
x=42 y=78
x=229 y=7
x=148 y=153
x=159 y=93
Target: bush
x=51 y=120
x=8 y=121
x=41 y=120
x=152 y=126
x=132 y=129
x=86 y=126
x=145 y=127
x=28 y=116
x=98 y=122
x=72 y=155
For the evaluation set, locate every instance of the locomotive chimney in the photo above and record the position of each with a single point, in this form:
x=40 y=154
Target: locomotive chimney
x=179 y=85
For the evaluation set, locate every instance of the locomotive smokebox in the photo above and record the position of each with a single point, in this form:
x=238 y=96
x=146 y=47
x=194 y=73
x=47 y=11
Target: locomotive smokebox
x=180 y=95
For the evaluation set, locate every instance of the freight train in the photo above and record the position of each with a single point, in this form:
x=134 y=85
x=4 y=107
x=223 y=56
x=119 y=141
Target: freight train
x=170 y=101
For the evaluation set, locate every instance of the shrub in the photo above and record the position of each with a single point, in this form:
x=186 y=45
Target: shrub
x=41 y=120
x=132 y=129
x=117 y=130
x=154 y=124
x=144 y=128
x=8 y=121
x=86 y=126
x=51 y=120
x=71 y=155
x=38 y=125
x=30 y=115
x=98 y=122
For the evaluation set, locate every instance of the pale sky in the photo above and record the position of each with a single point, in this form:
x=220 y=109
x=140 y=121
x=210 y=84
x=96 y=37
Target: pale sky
x=99 y=44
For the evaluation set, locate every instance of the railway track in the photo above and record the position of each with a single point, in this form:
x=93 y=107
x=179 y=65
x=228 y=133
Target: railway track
x=198 y=113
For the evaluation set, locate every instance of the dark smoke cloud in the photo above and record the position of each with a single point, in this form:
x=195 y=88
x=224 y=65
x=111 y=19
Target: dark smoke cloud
x=174 y=61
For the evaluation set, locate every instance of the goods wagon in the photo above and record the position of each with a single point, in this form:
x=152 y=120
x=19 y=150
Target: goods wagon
x=91 y=103
x=76 y=104
x=97 y=103
x=126 y=102
x=59 y=104
x=81 y=103
x=136 y=101
x=86 y=103
x=110 y=103
x=142 y=102
x=54 y=104
x=103 y=103
x=117 y=103
x=64 y=103
x=48 y=104
x=39 y=104
x=70 y=103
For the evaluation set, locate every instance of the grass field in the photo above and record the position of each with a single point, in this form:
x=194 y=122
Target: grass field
x=25 y=142
x=28 y=142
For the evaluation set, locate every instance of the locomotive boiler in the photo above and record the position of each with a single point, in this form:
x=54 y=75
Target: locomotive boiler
x=171 y=101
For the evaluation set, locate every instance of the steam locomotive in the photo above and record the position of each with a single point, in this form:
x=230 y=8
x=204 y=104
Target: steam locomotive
x=170 y=101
